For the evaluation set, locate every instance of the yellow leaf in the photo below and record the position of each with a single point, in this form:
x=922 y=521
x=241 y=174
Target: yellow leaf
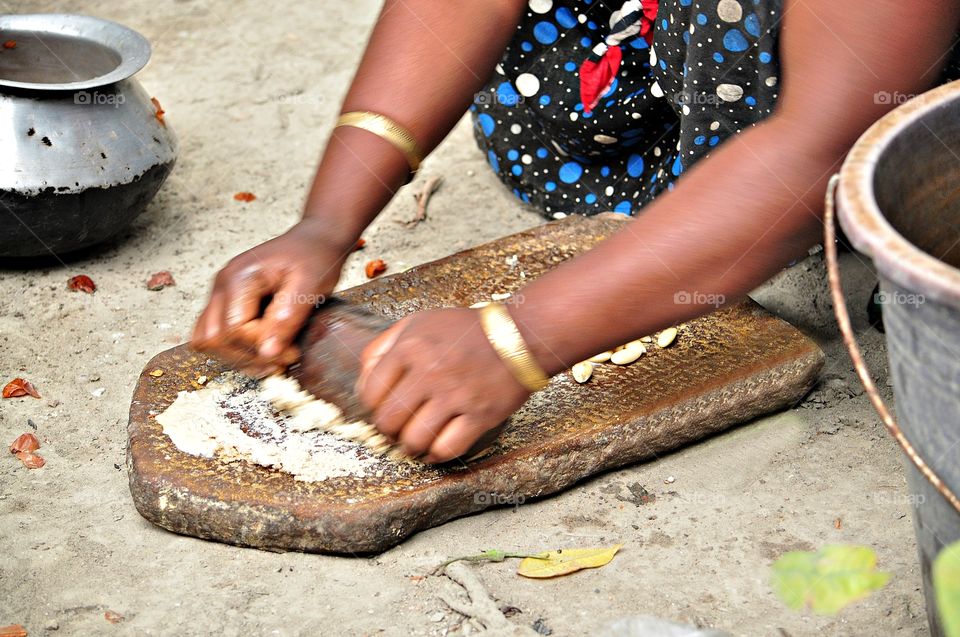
x=566 y=561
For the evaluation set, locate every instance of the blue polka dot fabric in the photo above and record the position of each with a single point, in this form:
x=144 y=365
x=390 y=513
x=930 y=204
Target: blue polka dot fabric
x=711 y=71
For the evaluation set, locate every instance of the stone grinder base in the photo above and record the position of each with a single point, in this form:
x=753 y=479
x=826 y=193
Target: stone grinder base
x=726 y=368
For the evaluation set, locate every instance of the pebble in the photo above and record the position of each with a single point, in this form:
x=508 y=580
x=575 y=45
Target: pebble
x=53 y=624
x=98 y=392
x=669 y=480
x=437 y=617
x=53 y=402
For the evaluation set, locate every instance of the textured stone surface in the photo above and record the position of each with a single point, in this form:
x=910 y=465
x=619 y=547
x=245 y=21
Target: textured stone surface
x=723 y=369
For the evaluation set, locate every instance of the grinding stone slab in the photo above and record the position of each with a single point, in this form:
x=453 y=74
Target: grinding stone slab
x=725 y=368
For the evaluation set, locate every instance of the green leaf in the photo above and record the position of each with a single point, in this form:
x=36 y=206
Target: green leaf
x=829 y=579
x=946 y=583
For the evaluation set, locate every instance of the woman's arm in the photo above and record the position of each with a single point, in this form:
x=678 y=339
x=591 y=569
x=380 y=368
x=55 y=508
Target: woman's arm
x=423 y=64
x=754 y=205
x=733 y=221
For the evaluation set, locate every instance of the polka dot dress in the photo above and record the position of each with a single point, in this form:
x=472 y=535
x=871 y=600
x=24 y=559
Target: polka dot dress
x=711 y=71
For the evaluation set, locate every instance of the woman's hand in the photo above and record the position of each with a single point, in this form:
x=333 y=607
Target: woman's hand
x=290 y=275
x=435 y=384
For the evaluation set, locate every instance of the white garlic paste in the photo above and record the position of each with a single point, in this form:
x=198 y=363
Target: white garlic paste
x=238 y=420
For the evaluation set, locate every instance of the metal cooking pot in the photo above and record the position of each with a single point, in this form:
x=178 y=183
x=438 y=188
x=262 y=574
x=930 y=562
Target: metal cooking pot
x=83 y=149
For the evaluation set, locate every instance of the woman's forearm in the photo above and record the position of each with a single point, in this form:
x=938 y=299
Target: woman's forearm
x=754 y=205
x=737 y=219
x=423 y=64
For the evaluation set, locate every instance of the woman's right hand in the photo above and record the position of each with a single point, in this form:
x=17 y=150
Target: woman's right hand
x=262 y=298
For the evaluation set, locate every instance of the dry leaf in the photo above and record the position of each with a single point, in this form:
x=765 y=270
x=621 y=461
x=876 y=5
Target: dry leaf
x=19 y=387
x=157 y=373
x=359 y=244
x=10 y=44
x=246 y=197
x=13 y=630
x=25 y=443
x=566 y=561
x=113 y=617
x=160 y=280
x=375 y=268
x=838 y=523
x=82 y=283
x=31 y=460
x=159 y=111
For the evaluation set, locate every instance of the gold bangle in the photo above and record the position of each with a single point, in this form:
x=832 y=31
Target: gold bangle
x=389 y=130
x=506 y=340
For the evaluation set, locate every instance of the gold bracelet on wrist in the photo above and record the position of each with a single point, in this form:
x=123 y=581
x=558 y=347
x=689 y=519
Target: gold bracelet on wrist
x=506 y=340
x=389 y=130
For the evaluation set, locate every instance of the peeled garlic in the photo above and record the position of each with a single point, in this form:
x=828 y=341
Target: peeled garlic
x=630 y=352
x=666 y=337
x=582 y=371
x=602 y=357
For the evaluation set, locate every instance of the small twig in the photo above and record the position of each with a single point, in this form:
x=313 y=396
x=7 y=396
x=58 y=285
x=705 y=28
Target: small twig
x=481 y=606
x=422 y=197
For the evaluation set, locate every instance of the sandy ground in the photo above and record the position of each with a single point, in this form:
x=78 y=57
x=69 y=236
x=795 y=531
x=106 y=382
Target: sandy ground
x=251 y=90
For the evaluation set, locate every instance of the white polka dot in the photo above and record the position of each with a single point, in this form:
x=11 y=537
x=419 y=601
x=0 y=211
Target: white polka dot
x=582 y=18
x=730 y=92
x=771 y=81
x=526 y=159
x=541 y=6
x=729 y=10
x=559 y=215
x=604 y=139
x=573 y=117
x=608 y=191
x=655 y=90
x=714 y=125
x=657 y=152
x=635 y=115
x=515 y=129
x=499 y=69
x=685 y=110
x=527 y=84
x=653 y=57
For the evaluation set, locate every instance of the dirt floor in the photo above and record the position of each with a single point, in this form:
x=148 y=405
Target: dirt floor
x=252 y=89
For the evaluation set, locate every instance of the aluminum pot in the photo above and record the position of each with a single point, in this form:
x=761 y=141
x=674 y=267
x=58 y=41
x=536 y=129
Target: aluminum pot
x=83 y=148
x=899 y=202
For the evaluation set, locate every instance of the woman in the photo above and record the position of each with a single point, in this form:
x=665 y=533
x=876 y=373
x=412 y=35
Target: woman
x=720 y=121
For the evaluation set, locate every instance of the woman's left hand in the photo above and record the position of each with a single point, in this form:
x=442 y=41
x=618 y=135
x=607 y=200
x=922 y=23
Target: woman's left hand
x=435 y=384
